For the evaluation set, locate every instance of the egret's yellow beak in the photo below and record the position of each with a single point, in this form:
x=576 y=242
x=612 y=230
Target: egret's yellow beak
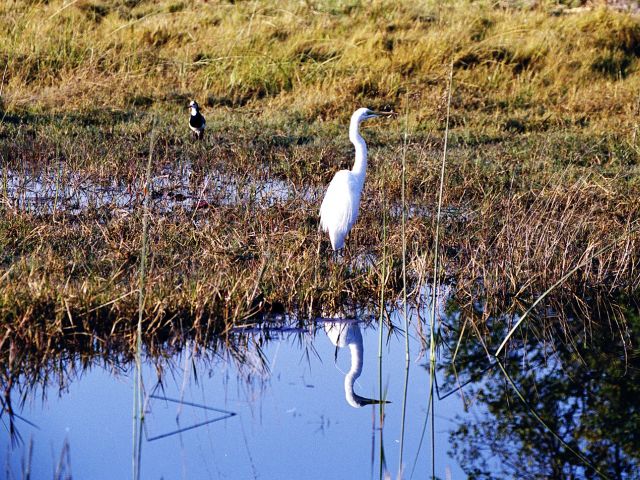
x=385 y=114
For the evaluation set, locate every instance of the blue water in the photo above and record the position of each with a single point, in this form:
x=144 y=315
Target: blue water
x=291 y=417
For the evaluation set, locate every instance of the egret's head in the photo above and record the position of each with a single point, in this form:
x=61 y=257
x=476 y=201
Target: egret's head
x=365 y=113
x=195 y=108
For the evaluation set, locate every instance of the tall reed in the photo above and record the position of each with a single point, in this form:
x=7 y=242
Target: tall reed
x=383 y=279
x=436 y=276
x=138 y=396
x=404 y=280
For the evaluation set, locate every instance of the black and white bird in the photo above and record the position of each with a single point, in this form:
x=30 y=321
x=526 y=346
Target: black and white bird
x=196 y=121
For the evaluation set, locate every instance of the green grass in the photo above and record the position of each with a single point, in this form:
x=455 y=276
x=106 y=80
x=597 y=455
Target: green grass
x=317 y=60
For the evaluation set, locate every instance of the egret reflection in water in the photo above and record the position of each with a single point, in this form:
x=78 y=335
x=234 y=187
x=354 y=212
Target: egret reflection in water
x=344 y=334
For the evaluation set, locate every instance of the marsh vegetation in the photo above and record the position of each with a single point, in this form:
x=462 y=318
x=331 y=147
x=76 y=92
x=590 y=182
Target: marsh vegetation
x=540 y=195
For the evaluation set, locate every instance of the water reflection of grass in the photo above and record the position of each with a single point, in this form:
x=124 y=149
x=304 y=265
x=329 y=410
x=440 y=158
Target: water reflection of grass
x=569 y=409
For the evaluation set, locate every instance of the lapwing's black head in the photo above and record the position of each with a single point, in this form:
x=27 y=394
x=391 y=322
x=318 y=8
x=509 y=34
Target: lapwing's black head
x=195 y=108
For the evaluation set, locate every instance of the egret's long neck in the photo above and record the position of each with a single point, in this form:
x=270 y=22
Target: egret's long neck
x=355 y=371
x=360 y=163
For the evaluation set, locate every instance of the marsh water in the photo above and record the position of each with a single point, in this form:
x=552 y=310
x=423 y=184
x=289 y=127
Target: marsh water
x=176 y=188
x=182 y=187
x=283 y=413
x=280 y=405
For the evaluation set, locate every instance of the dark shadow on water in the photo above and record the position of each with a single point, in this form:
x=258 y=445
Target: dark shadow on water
x=224 y=414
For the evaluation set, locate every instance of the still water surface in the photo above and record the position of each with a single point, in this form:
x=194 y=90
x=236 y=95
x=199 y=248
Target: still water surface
x=282 y=413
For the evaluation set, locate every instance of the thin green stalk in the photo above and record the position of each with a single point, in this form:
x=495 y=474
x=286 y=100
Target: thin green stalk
x=422 y=433
x=138 y=400
x=404 y=282
x=381 y=322
x=5 y=185
x=436 y=274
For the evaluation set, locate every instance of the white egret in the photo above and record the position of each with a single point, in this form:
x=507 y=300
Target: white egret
x=344 y=334
x=339 y=209
x=196 y=121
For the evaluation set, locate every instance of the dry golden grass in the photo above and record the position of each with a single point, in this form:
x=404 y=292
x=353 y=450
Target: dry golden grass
x=536 y=66
x=542 y=172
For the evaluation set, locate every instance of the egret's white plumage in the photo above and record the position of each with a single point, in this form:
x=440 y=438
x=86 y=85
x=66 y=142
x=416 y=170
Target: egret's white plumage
x=339 y=209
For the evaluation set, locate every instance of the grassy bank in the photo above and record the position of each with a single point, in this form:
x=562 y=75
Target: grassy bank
x=542 y=176
x=528 y=68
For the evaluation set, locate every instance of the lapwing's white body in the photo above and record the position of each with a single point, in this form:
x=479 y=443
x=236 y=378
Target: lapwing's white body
x=196 y=121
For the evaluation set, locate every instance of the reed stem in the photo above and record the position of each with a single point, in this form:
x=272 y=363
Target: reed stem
x=404 y=282
x=138 y=398
x=436 y=274
x=380 y=325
